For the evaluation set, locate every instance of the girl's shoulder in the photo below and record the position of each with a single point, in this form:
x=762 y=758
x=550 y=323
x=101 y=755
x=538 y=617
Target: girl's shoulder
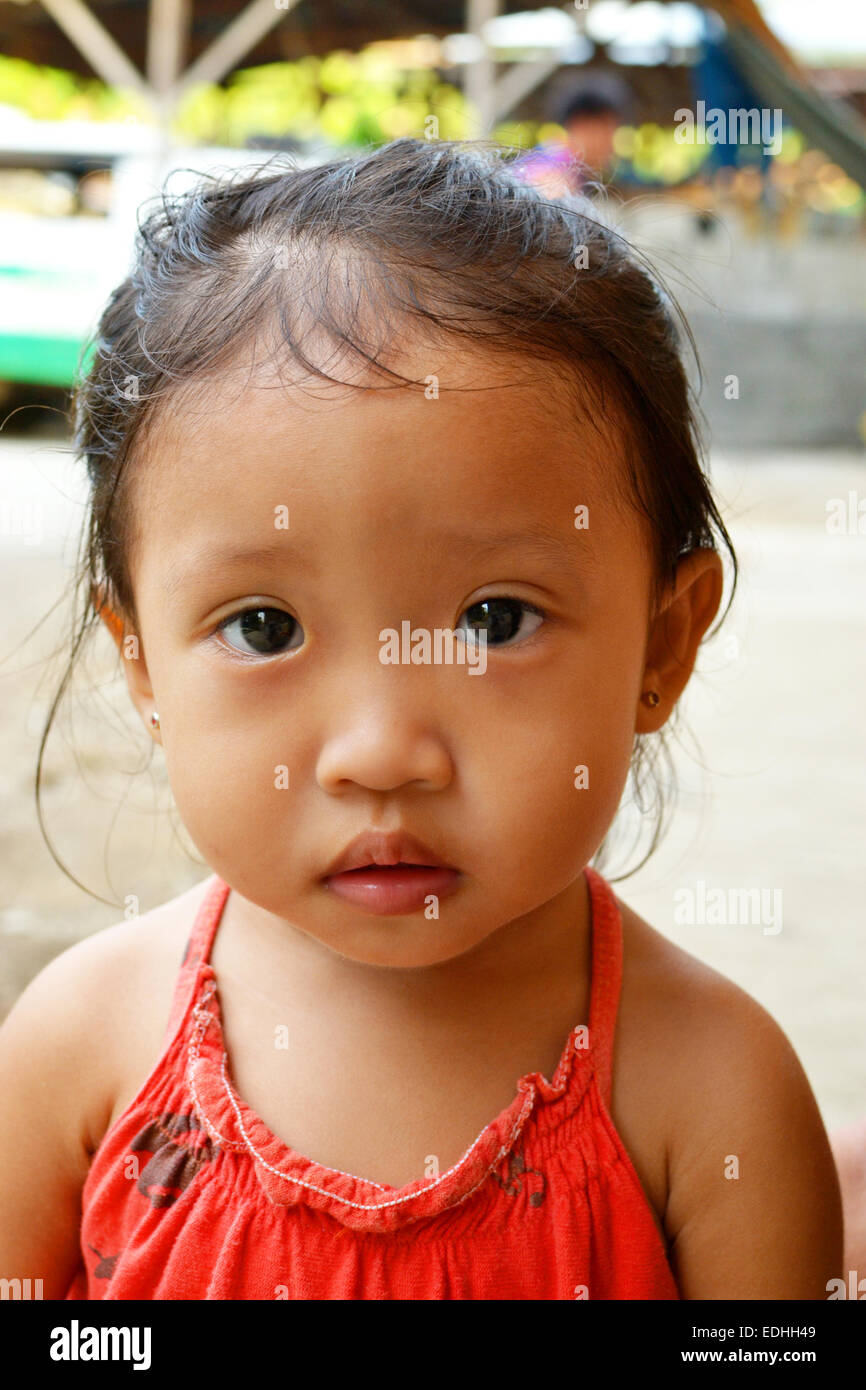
x=671 y=1007
x=703 y=1072
x=147 y=949
x=664 y=983
x=684 y=1028
x=103 y=1004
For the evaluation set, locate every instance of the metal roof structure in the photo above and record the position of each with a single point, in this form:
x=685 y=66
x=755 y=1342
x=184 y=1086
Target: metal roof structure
x=162 y=48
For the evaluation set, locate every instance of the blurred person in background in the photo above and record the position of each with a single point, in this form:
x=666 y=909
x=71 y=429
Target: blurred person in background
x=590 y=116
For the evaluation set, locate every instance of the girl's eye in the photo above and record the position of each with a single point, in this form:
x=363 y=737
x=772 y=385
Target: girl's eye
x=263 y=631
x=502 y=619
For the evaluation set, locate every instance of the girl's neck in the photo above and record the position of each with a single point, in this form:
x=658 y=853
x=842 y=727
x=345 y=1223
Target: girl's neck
x=550 y=946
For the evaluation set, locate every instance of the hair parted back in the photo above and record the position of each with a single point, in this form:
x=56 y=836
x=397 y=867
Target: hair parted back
x=445 y=235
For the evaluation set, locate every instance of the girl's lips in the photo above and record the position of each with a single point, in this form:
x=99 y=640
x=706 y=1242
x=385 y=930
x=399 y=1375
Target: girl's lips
x=397 y=888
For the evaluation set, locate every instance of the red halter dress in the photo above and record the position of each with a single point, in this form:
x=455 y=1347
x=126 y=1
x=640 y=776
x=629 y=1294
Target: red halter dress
x=191 y=1196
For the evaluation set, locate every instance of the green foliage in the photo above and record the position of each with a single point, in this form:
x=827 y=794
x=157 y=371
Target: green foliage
x=363 y=99
x=52 y=94
x=348 y=99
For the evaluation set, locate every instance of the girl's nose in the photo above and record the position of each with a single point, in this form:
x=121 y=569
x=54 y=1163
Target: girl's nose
x=383 y=752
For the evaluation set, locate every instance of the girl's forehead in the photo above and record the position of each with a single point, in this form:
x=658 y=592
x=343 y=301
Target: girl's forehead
x=330 y=478
x=471 y=429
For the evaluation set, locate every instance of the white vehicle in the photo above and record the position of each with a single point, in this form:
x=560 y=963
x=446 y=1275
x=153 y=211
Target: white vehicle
x=56 y=272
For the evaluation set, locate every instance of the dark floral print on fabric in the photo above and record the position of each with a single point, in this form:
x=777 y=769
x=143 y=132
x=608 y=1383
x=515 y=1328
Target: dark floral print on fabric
x=178 y=1147
x=511 y=1183
x=104 y=1267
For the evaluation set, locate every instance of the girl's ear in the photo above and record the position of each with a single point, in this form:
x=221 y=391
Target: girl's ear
x=683 y=617
x=114 y=624
x=135 y=671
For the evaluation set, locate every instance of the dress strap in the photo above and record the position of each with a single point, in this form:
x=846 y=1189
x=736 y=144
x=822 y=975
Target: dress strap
x=606 y=977
x=197 y=952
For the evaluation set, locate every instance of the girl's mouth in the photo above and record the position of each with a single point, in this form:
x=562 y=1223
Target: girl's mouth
x=388 y=890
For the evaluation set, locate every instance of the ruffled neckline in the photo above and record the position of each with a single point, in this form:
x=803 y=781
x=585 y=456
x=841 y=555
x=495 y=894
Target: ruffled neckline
x=288 y=1177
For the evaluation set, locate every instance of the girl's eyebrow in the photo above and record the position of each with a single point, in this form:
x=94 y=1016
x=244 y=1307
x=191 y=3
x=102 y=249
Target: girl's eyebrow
x=207 y=556
x=543 y=541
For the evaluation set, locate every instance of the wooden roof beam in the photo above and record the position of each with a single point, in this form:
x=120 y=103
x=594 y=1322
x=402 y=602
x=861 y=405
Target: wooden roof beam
x=236 y=39
x=168 y=26
x=94 y=43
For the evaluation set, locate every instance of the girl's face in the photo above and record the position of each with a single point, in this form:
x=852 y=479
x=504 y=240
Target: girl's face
x=348 y=512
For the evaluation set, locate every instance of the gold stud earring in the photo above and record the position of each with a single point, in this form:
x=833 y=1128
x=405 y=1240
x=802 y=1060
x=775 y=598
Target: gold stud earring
x=651 y=698
x=154 y=720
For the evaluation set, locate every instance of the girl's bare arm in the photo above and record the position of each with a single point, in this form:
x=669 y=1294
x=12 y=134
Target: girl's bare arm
x=55 y=1060
x=754 y=1208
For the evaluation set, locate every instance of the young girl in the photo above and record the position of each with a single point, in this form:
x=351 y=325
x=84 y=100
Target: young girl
x=400 y=528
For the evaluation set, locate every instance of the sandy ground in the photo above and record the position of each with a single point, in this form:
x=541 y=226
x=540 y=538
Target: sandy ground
x=771 y=784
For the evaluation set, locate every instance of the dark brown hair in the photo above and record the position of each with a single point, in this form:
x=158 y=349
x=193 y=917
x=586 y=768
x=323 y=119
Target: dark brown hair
x=445 y=234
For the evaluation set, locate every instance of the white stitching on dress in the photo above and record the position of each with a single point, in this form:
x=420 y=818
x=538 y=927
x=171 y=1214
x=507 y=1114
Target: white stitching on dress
x=204 y=1018
x=394 y=1201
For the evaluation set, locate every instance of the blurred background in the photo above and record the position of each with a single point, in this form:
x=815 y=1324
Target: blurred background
x=731 y=139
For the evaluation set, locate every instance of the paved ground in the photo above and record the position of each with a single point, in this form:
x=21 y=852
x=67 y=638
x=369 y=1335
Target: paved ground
x=773 y=798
